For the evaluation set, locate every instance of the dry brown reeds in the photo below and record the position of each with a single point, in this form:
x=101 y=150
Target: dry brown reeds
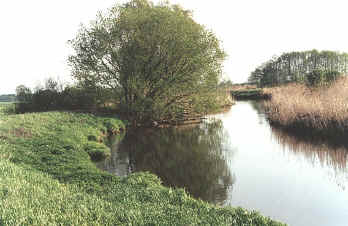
x=322 y=108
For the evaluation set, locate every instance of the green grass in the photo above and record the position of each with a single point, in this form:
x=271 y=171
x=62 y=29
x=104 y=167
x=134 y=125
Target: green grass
x=47 y=178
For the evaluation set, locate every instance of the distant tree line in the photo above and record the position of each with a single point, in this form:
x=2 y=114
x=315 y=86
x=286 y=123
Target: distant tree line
x=56 y=96
x=311 y=67
x=8 y=98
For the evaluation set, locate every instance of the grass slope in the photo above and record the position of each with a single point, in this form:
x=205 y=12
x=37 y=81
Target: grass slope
x=47 y=178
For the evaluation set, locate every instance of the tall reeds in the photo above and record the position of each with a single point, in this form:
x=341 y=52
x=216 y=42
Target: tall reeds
x=323 y=109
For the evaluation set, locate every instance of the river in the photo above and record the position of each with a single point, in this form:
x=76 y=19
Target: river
x=236 y=158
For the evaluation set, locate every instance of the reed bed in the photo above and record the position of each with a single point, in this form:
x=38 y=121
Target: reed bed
x=322 y=109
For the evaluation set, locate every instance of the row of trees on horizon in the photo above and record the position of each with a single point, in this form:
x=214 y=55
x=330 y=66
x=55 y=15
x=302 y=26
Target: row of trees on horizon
x=155 y=63
x=7 y=98
x=300 y=67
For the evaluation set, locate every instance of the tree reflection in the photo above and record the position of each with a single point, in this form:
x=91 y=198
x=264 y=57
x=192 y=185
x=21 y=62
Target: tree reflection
x=186 y=157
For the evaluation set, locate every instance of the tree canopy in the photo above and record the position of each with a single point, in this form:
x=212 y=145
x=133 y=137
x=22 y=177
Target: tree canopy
x=153 y=57
x=299 y=66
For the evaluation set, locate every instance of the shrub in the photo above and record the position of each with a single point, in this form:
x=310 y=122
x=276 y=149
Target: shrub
x=321 y=78
x=50 y=99
x=113 y=126
x=97 y=151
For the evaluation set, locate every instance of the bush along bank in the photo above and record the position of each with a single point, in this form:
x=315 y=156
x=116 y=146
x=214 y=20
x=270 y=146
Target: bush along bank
x=250 y=94
x=320 y=111
x=47 y=177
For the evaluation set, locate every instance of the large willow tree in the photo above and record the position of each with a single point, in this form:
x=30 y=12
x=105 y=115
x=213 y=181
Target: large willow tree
x=154 y=57
x=295 y=66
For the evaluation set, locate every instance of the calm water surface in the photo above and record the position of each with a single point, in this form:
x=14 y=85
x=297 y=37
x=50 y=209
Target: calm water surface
x=238 y=159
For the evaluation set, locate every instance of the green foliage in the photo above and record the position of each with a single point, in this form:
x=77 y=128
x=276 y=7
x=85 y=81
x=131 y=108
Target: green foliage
x=47 y=178
x=54 y=97
x=7 y=108
x=113 y=125
x=321 y=78
x=304 y=67
x=23 y=93
x=154 y=58
x=97 y=151
x=249 y=94
x=8 y=98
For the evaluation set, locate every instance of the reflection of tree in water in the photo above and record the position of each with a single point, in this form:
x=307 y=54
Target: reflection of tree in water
x=118 y=162
x=183 y=157
x=333 y=156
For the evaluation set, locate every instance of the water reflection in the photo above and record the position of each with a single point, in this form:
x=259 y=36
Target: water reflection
x=335 y=157
x=119 y=162
x=290 y=178
x=316 y=151
x=294 y=181
x=189 y=157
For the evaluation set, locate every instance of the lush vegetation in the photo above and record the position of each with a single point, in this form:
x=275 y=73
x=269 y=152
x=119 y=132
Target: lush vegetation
x=152 y=64
x=55 y=96
x=47 y=177
x=311 y=67
x=8 y=98
x=321 y=109
x=157 y=61
x=247 y=94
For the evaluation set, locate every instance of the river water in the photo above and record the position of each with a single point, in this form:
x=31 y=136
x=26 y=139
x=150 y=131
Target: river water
x=238 y=159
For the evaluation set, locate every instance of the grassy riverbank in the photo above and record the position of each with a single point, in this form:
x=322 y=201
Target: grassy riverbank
x=47 y=177
x=322 y=110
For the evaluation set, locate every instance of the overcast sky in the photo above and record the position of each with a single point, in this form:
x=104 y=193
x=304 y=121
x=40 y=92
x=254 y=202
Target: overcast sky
x=34 y=34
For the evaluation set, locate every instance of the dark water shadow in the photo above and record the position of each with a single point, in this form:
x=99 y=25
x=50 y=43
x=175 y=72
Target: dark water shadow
x=190 y=157
x=331 y=155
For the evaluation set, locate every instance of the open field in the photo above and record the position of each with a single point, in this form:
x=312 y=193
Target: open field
x=47 y=177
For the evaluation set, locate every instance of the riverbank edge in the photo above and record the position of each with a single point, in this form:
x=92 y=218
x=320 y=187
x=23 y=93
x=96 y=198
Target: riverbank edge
x=224 y=101
x=61 y=164
x=250 y=94
x=309 y=125
x=335 y=131
x=317 y=111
